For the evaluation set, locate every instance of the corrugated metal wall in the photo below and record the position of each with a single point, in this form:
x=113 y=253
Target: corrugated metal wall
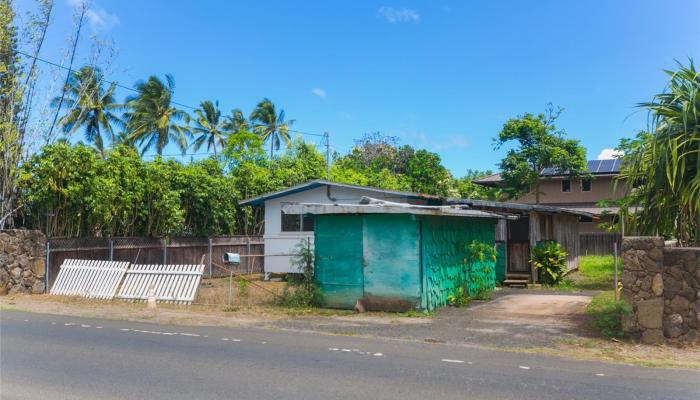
x=338 y=269
x=398 y=262
x=446 y=261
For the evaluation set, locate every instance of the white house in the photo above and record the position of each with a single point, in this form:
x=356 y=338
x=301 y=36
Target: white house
x=284 y=231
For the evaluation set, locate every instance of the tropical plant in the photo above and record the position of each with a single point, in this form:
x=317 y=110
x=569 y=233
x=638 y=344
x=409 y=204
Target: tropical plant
x=236 y=122
x=90 y=106
x=540 y=145
x=550 y=259
x=662 y=167
x=153 y=119
x=306 y=292
x=209 y=126
x=270 y=125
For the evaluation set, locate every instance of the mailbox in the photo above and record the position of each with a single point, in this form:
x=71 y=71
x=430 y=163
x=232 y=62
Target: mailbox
x=232 y=258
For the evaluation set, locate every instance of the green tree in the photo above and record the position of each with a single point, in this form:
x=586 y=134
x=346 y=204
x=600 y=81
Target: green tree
x=11 y=98
x=236 y=122
x=539 y=145
x=209 y=126
x=59 y=183
x=90 y=106
x=427 y=174
x=270 y=125
x=467 y=189
x=662 y=167
x=153 y=119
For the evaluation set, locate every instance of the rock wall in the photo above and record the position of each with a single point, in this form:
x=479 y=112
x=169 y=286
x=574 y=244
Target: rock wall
x=22 y=261
x=663 y=286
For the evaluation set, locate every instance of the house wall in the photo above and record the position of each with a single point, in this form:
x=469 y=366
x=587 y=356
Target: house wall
x=561 y=228
x=279 y=246
x=601 y=189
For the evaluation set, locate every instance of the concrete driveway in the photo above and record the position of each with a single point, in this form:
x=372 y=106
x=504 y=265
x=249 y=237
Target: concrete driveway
x=514 y=318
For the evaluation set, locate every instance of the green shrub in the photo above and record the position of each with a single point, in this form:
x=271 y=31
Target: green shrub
x=460 y=298
x=607 y=314
x=305 y=292
x=243 y=287
x=550 y=259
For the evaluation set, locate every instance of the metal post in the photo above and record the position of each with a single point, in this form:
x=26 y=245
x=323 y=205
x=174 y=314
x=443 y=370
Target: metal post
x=615 y=264
x=47 y=269
x=111 y=249
x=230 y=285
x=165 y=251
x=327 y=138
x=209 y=257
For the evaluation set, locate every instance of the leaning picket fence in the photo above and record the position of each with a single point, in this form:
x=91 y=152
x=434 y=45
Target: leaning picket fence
x=171 y=283
x=108 y=280
x=89 y=278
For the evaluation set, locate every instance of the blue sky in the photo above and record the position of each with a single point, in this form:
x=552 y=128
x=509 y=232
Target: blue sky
x=443 y=76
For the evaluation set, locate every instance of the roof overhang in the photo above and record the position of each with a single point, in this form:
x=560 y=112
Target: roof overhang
x=498 y=206
x=260 y=200
x=388 y=208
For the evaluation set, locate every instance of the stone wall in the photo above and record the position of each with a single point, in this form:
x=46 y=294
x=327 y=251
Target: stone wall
x=663 y=286
x=22 y=258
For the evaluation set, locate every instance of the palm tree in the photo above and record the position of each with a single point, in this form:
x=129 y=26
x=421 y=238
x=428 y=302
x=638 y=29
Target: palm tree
x=236 y=122
x=270 y=125
x=664 y=165
x=91 y=106
x=210 y=127
x=153 y=119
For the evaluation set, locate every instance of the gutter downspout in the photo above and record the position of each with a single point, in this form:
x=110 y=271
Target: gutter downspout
x=328 y=194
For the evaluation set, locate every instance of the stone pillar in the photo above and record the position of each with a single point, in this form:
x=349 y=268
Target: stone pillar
x=662 y=285
x=22 y=261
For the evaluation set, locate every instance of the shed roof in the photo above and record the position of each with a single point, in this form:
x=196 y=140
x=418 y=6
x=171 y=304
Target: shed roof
x=385 y=207
x=495 y=206
x=259 y=200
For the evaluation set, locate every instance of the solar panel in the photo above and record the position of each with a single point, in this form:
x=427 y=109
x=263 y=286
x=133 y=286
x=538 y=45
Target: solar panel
x=607 y=166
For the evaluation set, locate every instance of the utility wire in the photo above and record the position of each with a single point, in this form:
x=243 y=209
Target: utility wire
x=136 y=91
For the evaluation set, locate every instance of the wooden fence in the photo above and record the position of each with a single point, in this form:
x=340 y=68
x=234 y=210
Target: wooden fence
x=598 y=243
x=140 y=250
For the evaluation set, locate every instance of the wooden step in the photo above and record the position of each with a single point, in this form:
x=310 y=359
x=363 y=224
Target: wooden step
x=515 y=282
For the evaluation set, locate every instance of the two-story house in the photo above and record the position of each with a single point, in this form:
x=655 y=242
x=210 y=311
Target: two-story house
x=575 y=194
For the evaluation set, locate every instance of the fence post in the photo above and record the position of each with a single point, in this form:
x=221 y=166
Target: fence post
x=230 y=285
x=111 y=249
x=47 y=270
x=165 y=250
x=247 y=261
x=209 y=257
x=615 y=264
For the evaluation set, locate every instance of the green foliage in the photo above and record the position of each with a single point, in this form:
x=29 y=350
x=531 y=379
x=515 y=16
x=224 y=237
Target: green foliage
x=305 y=292
x=270 y=125
x=539 y=145
x=243 y=287
x=481 y=252
x=661 y=168
x=460 y=298
x=607 y=314
x=550 y=259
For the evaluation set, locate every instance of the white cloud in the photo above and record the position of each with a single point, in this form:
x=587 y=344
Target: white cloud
x=456 y=141
x=393 y=15
x=97 y=17
x=318 y=92
x=609 y=154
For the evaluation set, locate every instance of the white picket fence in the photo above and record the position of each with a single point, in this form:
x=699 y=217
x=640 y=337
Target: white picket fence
x=101 y=280
x=89 y=278
x=171 y=283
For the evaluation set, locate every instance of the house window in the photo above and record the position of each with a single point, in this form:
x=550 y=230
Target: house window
x=297 y=223
x=586 y=185
x=566 y=186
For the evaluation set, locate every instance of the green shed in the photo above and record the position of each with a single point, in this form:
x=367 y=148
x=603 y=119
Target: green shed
x=397 y=257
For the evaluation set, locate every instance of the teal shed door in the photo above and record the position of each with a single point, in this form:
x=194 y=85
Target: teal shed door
x=338 y=249
x=392 y=271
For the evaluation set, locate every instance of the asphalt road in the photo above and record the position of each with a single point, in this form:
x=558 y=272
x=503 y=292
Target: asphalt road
x=56 y=357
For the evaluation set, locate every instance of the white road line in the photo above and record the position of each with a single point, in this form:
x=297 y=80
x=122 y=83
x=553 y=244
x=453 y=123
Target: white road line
x=447 y=360
x=377 y=354
x=523 y=367
x=125 y=329
x=238 y=340
x=333 y=349
x=224 y=338
x=599 y=374
x=346 y=350
x=98 y=327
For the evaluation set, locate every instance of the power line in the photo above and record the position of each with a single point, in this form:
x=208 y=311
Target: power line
x=136 y=91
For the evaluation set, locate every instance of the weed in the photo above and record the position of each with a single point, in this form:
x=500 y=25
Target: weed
x=607 y=314
x=243 y=287
x=231 y=309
